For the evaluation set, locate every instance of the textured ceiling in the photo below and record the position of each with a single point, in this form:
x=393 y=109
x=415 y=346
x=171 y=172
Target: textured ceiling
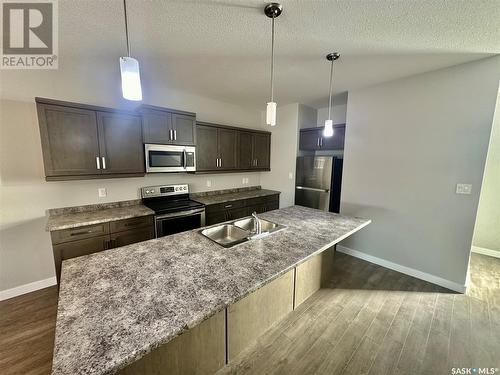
x=221 y=49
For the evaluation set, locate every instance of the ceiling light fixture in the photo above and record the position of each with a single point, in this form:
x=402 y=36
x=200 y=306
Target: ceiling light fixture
x=272 y=10
x=328 y=132
x=129 y=68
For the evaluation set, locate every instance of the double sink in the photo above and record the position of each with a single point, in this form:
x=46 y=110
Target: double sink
x=238 y=231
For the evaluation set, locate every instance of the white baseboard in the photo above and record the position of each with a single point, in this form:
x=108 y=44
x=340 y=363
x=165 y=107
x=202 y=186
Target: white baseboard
x=403 y=269
x=26 y=288
x=485 y=251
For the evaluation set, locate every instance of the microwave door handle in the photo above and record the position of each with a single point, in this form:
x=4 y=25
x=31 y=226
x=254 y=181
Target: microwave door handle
x=184 y=156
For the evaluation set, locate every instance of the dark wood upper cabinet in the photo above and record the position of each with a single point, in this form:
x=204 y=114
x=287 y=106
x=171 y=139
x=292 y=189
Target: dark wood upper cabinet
x=156 y=126
x=227 y=148
x=81 y=141
x=245 y=150
x=120 y=143
x=262 y=150
x=69 y=140
x=165 y=126
x=312 y=139
x=206 y=148
x=336 y=141
x=184 y=127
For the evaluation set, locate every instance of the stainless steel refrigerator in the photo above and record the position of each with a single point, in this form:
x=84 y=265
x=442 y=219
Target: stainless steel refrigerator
x=318 y=181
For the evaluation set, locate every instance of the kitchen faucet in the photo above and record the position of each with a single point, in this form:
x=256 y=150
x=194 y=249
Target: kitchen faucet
x=257 y=226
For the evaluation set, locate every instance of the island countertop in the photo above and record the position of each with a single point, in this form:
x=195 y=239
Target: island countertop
x=118 y=305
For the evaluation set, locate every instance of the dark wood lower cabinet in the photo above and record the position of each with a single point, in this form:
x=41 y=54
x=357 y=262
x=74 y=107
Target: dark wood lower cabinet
x=76 y=242
x=233 y=210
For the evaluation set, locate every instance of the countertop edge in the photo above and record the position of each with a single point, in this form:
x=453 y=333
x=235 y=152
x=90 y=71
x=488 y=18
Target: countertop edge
x=53 y=228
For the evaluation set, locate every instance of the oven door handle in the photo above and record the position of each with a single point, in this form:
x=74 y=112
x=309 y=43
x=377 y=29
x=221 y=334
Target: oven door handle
x=184 y=156
x=180 y=214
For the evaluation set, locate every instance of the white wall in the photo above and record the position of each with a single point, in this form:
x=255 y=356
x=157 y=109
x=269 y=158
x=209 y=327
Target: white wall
x=408 y=143
x=339 y=112
x=25 y=248
x=487 y=230
x=283 y=153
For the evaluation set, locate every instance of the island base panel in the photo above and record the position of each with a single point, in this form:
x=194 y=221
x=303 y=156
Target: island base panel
x=313 y=274
x=251 y=316
x=201 y=350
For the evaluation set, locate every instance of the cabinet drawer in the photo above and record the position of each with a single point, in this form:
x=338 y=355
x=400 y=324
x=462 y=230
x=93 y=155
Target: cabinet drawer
x=79 y=233
x=255 y=201
x=273 y=198
x=78 y=248
x=132 y=236
x=215 y=217
x=135 y=222
x=225 y=206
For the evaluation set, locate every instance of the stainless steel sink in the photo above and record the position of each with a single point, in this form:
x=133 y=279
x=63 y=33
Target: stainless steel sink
x=226 y=235
x=248 y=223
x=238 y=231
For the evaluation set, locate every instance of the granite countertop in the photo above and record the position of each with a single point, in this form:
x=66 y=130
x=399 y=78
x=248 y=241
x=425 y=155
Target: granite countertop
x=74 y=217
x=233 y=196
x=117 y=305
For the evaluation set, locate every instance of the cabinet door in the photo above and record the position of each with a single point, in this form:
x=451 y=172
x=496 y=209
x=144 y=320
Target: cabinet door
x=262 y=150
x=245 y=156
x=216 y=217
x=157 y=126
x=236 y=213
x=309 y=139
x=226 y=140
x=206 y=148
x=184 y=127
x=132 y=236
x=120 y=143
x=336 y=141
x=78 y=248
x=69 y=140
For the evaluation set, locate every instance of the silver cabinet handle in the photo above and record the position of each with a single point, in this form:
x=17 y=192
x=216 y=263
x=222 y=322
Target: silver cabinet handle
x=175 y=135
x=103 y=162
x=98 y=162
x=256 y=162
x=217 y=162
x=220 y=162
x=170 y=135
x=321 y=142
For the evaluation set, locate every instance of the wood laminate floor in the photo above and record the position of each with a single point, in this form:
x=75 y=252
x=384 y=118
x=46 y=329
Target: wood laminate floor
x=370 y=321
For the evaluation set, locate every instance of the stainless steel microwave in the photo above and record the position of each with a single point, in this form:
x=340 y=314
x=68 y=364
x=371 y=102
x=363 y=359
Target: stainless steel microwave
x=169 y=158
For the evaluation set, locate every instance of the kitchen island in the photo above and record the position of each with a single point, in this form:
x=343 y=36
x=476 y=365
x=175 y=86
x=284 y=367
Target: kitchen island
x=117 y=306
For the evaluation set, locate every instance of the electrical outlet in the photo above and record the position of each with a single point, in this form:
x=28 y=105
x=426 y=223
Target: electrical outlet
x=464 y=189
x=209 y=183
x=243 y=181
x=102 y=192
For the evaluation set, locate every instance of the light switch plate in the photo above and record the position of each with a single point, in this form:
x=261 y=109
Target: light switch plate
x=290 y=175
x=209 y=183
x=102 y=192
x=464 y=189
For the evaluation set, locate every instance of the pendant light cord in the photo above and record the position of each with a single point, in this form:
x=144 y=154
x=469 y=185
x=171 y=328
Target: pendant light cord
x=126 y=27
x=272 y=61
x=330 y=98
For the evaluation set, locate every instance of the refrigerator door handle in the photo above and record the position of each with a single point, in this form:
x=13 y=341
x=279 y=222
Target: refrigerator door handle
x=312 y=189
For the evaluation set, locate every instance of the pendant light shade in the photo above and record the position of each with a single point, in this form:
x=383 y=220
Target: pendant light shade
x=129 y=68
x=328 y=131
x=131 y=79
x=271 y=114
x=272 y=11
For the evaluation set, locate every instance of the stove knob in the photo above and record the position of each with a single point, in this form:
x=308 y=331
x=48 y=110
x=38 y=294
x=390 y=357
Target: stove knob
x=147 y=191
x=152 y=191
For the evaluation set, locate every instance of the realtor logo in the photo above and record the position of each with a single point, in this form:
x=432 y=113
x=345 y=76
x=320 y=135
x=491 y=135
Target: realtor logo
x=29 y=34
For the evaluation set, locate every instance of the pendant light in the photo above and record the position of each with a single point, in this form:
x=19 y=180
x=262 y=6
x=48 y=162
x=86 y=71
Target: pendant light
x=129 y=68
x=328 y=132
x=272 y=10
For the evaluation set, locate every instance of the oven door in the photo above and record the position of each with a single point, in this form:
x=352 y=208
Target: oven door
x=168 y=158
x=179 y=222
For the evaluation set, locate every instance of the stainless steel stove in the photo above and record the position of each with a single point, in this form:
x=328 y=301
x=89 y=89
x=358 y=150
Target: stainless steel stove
x=174 y=211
